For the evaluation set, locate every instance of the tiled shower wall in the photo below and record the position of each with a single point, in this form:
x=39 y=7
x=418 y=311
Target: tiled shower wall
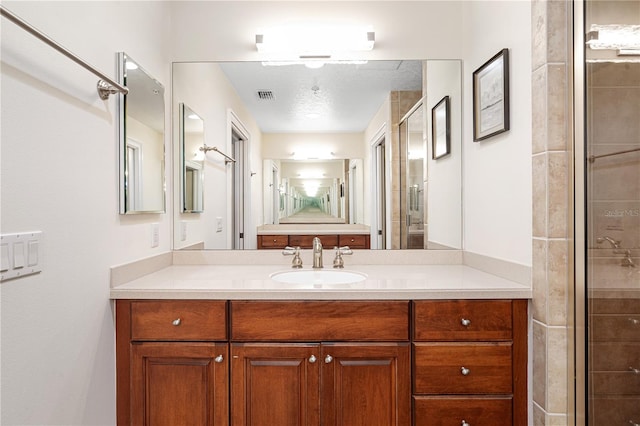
x=552 y=231
x=401 y=103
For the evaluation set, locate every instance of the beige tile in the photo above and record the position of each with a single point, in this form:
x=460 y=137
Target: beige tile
x=558 y=195
x=538 y=415
x=608 y=74
x=614 y=115
x=557 y=379
x=539 y=195
x=539 y=278
x=556 y=420
x=558 y=279
x=557 y=31
x=557 y=107
x=539 y=351
x=539 y=110
x=539 y=33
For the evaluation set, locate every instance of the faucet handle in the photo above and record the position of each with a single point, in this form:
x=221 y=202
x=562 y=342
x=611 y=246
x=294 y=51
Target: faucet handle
x=296 y=262
x=338 y=262
x=344 y=250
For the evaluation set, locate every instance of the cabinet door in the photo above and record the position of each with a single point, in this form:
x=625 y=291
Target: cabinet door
x=179 y=383
x=275 y=384
x=366 y=385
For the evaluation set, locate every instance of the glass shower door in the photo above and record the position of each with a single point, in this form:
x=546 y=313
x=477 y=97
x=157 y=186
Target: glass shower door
x=612 y=97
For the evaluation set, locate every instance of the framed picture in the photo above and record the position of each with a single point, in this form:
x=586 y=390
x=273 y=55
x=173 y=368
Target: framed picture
x=491 y=97
x=440 y=129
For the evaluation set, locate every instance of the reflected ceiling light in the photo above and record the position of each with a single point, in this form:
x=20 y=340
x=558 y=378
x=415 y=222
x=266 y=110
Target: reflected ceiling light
x=311 y=188
x=313 y=45
x=614 y=37
x=312 y=154
x=311 y=174
x=131 y=65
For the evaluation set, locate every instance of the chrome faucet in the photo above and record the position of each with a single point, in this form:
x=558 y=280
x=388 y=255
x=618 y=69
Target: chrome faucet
x=317 y=253
x=615 y=244
x=627 y=261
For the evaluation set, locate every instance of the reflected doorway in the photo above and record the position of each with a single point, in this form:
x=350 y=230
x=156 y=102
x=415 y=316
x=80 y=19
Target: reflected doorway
x=380 y=193
x=238 y=145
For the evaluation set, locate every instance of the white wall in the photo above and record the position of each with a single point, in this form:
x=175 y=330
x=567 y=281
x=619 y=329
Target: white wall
x=59 y=175
x=444 y=208
x=497 y=171
x=207 y=91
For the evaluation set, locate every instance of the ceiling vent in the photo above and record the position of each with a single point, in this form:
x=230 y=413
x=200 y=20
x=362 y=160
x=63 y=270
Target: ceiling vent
x=266 y=95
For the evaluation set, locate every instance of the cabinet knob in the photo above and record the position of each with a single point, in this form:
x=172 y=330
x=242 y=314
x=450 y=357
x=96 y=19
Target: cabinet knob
x=312 y=359
x=634 y=370
x=465 y=322
x=176 y=322
x=632 y=423
x=328 y=359
x=464 y=423
x=465 y=371
x=219 y=359
x=634 y=321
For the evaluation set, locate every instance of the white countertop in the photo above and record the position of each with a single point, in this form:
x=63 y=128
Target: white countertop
x=400 y=282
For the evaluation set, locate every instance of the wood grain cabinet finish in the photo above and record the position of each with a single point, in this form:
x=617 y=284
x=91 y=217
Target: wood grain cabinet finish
x=332 y=384
x=170 y=369
x=329 y=241
x=355 y=241
x=357 y=374
x=329 y=363
x=470 y=362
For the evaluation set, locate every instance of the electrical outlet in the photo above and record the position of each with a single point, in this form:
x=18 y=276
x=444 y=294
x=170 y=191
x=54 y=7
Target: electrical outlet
x=155 y=235
x=183 y=230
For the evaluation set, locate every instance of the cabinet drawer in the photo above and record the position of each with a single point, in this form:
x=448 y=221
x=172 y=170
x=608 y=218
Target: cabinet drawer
x=306 y=241
x=453 y=411
x=309 y=321
x=451 y=320
x=273 y=241
x=179 y=320
x=354 y=241
x=473 y=368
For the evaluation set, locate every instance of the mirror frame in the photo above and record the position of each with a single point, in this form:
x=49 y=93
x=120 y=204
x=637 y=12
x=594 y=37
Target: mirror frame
x=121 y=103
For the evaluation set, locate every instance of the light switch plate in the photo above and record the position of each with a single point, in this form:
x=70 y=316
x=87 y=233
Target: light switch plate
x=218 y=224
x=21 y=254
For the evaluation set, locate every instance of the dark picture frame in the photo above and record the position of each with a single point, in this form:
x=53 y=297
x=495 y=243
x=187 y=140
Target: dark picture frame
x=491 y=97
x=441 y=129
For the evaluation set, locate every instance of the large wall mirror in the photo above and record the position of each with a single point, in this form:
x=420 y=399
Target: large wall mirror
x=141 y=140
x=327 y=150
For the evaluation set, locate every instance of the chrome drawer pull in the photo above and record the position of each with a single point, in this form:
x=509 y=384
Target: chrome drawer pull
x=219 y=359
x=632 y=423
x=634 y=321
x=465 y=371
x=634 y=370
x=464 y=423
x=465 y=322
x=176 y=322
x=328 y=359
x=312 y=359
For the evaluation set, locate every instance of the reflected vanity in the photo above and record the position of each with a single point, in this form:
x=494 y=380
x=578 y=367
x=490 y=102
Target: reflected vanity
x=141 y=140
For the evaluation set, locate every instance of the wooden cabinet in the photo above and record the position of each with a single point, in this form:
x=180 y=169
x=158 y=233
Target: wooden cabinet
x=330 y=363
x=354 y=241
x=358 y=375
x=470 y=362
x=329 y=241
x=172 y=363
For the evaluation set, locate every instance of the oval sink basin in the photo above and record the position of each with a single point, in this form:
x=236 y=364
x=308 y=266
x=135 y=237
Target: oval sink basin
x=318 y=276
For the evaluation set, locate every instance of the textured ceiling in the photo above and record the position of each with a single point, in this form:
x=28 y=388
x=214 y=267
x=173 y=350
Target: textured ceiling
x=344 y=97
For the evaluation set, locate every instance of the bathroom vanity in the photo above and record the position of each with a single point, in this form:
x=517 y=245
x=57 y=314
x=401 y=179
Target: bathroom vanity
x=421 y=345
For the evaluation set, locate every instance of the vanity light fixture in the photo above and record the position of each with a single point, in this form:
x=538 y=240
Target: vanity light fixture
x=313 y=45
